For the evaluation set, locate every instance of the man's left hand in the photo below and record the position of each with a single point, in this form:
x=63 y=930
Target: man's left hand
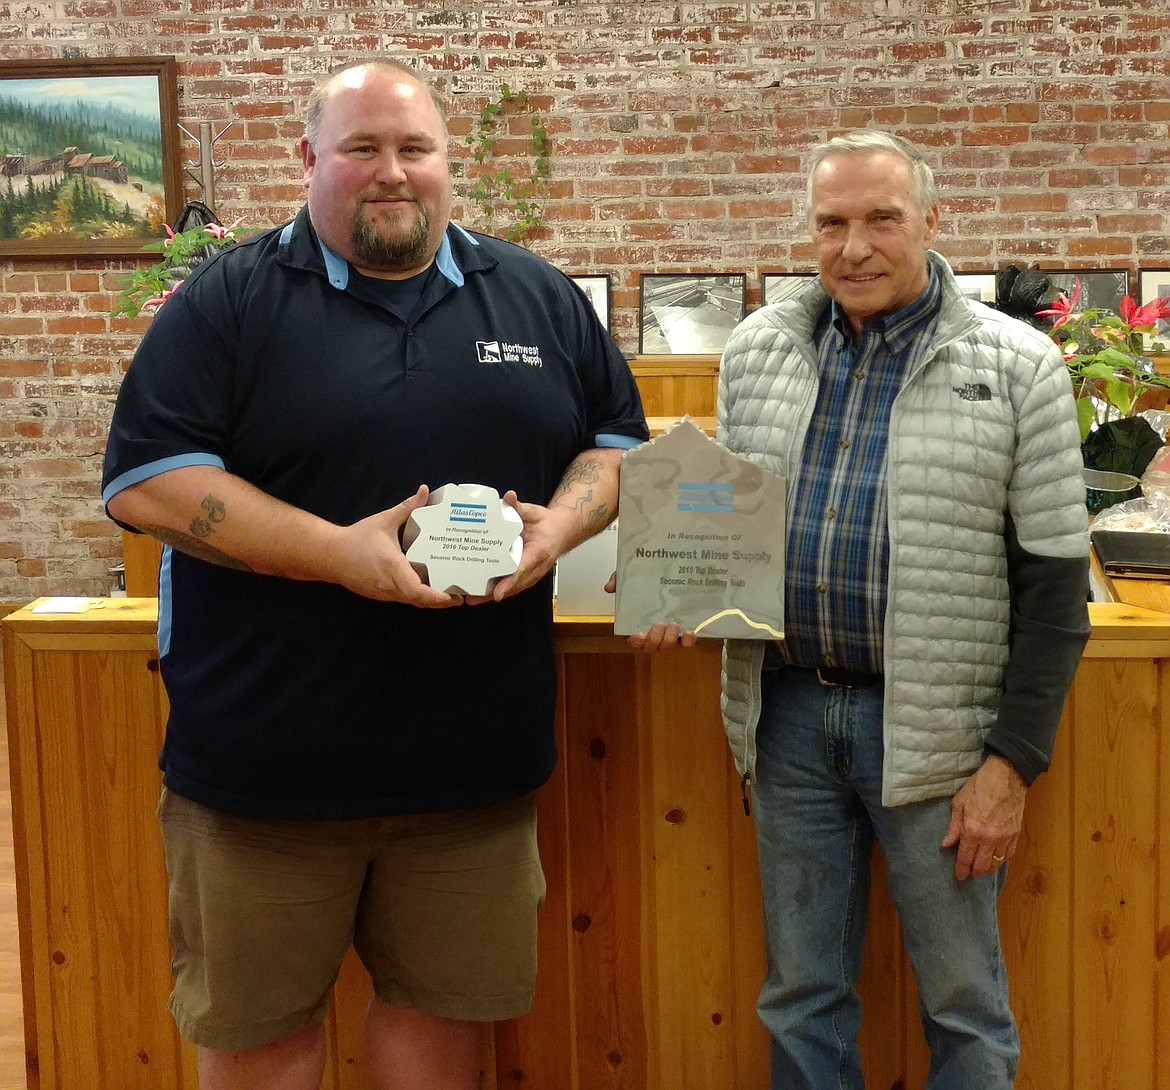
x=987 y=814
x=548 y=532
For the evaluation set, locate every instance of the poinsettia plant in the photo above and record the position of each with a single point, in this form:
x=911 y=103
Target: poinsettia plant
x=1104 y=353
x=148 y=288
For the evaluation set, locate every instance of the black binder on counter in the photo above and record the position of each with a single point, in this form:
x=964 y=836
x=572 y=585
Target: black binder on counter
x=1133 y=554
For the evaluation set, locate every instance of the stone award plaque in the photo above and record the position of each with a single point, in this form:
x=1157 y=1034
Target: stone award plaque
x=700 y=539
x=464 y=539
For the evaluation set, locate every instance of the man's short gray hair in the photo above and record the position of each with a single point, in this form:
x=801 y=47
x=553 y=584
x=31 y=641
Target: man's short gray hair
x=320 y=94
x=871 y=140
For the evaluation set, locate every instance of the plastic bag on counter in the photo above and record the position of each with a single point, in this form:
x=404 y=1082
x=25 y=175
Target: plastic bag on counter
x=1159 y=420
x=1156 y=478
x=1147 y=513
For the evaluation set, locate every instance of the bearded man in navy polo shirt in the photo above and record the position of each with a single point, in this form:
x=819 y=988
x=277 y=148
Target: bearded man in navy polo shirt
x=351 y=754
x=935 y=610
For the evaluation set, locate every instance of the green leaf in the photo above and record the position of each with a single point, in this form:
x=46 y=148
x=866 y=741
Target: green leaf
x=1086 y=416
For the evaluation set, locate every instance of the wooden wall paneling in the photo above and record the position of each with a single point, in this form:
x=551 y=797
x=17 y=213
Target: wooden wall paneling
x=28 y=861
x=1035 y=918
x=689 y=870
x=121 y=777
x=68 y=941
x=345 y=1067
x=96 y=939
x=640 y=943
x=603 y=762
x=1115 y=804
x=538 y=1051
x=141 y=554
x=751 y=1041
x=676 y=386
x=1161 y=959
x=655 y=394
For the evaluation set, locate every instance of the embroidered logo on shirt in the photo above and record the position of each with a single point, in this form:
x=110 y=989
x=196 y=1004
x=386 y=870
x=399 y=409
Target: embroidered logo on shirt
x=506 y=352
x=974 y=391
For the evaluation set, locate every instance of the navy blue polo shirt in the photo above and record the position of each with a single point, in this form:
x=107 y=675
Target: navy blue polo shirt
x=276 y=362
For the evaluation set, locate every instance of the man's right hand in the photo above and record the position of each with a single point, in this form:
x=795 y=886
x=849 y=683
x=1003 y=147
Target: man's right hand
x=662 y=637
x=367 y=558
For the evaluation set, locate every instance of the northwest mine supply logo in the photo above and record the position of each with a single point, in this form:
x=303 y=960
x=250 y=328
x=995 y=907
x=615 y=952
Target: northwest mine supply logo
x=706 y=497
x=507 y=352
x=973 y=391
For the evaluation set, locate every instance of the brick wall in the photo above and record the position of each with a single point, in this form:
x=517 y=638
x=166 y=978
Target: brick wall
x=677 y=138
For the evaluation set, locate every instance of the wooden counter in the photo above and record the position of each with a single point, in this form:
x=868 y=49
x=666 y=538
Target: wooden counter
x=650 y=940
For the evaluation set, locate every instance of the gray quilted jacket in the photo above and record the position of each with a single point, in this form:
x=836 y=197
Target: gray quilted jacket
x=985 y=426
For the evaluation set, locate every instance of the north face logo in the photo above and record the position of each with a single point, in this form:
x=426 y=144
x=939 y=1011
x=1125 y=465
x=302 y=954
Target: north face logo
x=488 y=351
x=974 y=391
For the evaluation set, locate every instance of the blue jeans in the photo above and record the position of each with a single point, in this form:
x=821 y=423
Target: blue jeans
x=817 y=803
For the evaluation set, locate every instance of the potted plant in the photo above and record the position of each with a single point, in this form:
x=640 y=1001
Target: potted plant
x=181 y=251
x=1113 y=380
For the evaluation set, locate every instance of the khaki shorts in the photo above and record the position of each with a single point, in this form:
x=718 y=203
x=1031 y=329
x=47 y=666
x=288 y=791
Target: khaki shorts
x=441 y=909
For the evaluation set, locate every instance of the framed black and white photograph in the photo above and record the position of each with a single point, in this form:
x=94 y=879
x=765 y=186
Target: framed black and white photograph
x=89 y=155
x=1154 y=284
x=776 y=287
x=691 y=313
x=978 y=286
x=598 y=291
x=1103 y=288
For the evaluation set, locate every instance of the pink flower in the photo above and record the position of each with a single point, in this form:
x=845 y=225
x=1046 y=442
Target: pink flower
x=1062 y=307
x=160 y=299
x=216 y=231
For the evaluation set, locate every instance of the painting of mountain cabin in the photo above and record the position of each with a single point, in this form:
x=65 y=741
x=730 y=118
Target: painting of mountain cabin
x=81 y=162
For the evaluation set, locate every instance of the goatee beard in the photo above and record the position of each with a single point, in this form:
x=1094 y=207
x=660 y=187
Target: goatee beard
x=375 y=251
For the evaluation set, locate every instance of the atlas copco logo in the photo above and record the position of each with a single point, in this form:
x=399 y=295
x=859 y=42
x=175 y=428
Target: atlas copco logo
x=506 y=352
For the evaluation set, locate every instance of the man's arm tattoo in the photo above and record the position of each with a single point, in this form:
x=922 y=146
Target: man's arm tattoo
x=194 y=543
x=584 y=472
x=193 y=546
x=598 y=519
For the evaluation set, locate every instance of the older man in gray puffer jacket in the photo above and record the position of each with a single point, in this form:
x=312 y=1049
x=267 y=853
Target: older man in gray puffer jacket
x=935 y=611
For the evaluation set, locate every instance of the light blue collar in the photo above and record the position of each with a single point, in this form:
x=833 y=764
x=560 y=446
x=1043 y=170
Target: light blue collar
x=337 y=268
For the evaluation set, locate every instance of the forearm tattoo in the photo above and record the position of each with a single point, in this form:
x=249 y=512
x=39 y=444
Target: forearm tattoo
x=586 y=472
x=213 y=511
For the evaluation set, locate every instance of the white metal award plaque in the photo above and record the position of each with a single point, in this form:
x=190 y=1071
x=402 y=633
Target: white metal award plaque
x=464 y=539
x=700 y=539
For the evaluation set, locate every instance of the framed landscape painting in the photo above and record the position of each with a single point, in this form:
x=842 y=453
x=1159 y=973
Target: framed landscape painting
x=89 y=155
x=689 y=313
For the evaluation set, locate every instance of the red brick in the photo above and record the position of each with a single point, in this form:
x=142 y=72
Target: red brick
x=1108 y=246
x=18 y=326
x=53 y=467
x=996 y=135
x=1116 y=154
x=655 y=145
x=1033 y=202
x=75 y=325
x=654 y=232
